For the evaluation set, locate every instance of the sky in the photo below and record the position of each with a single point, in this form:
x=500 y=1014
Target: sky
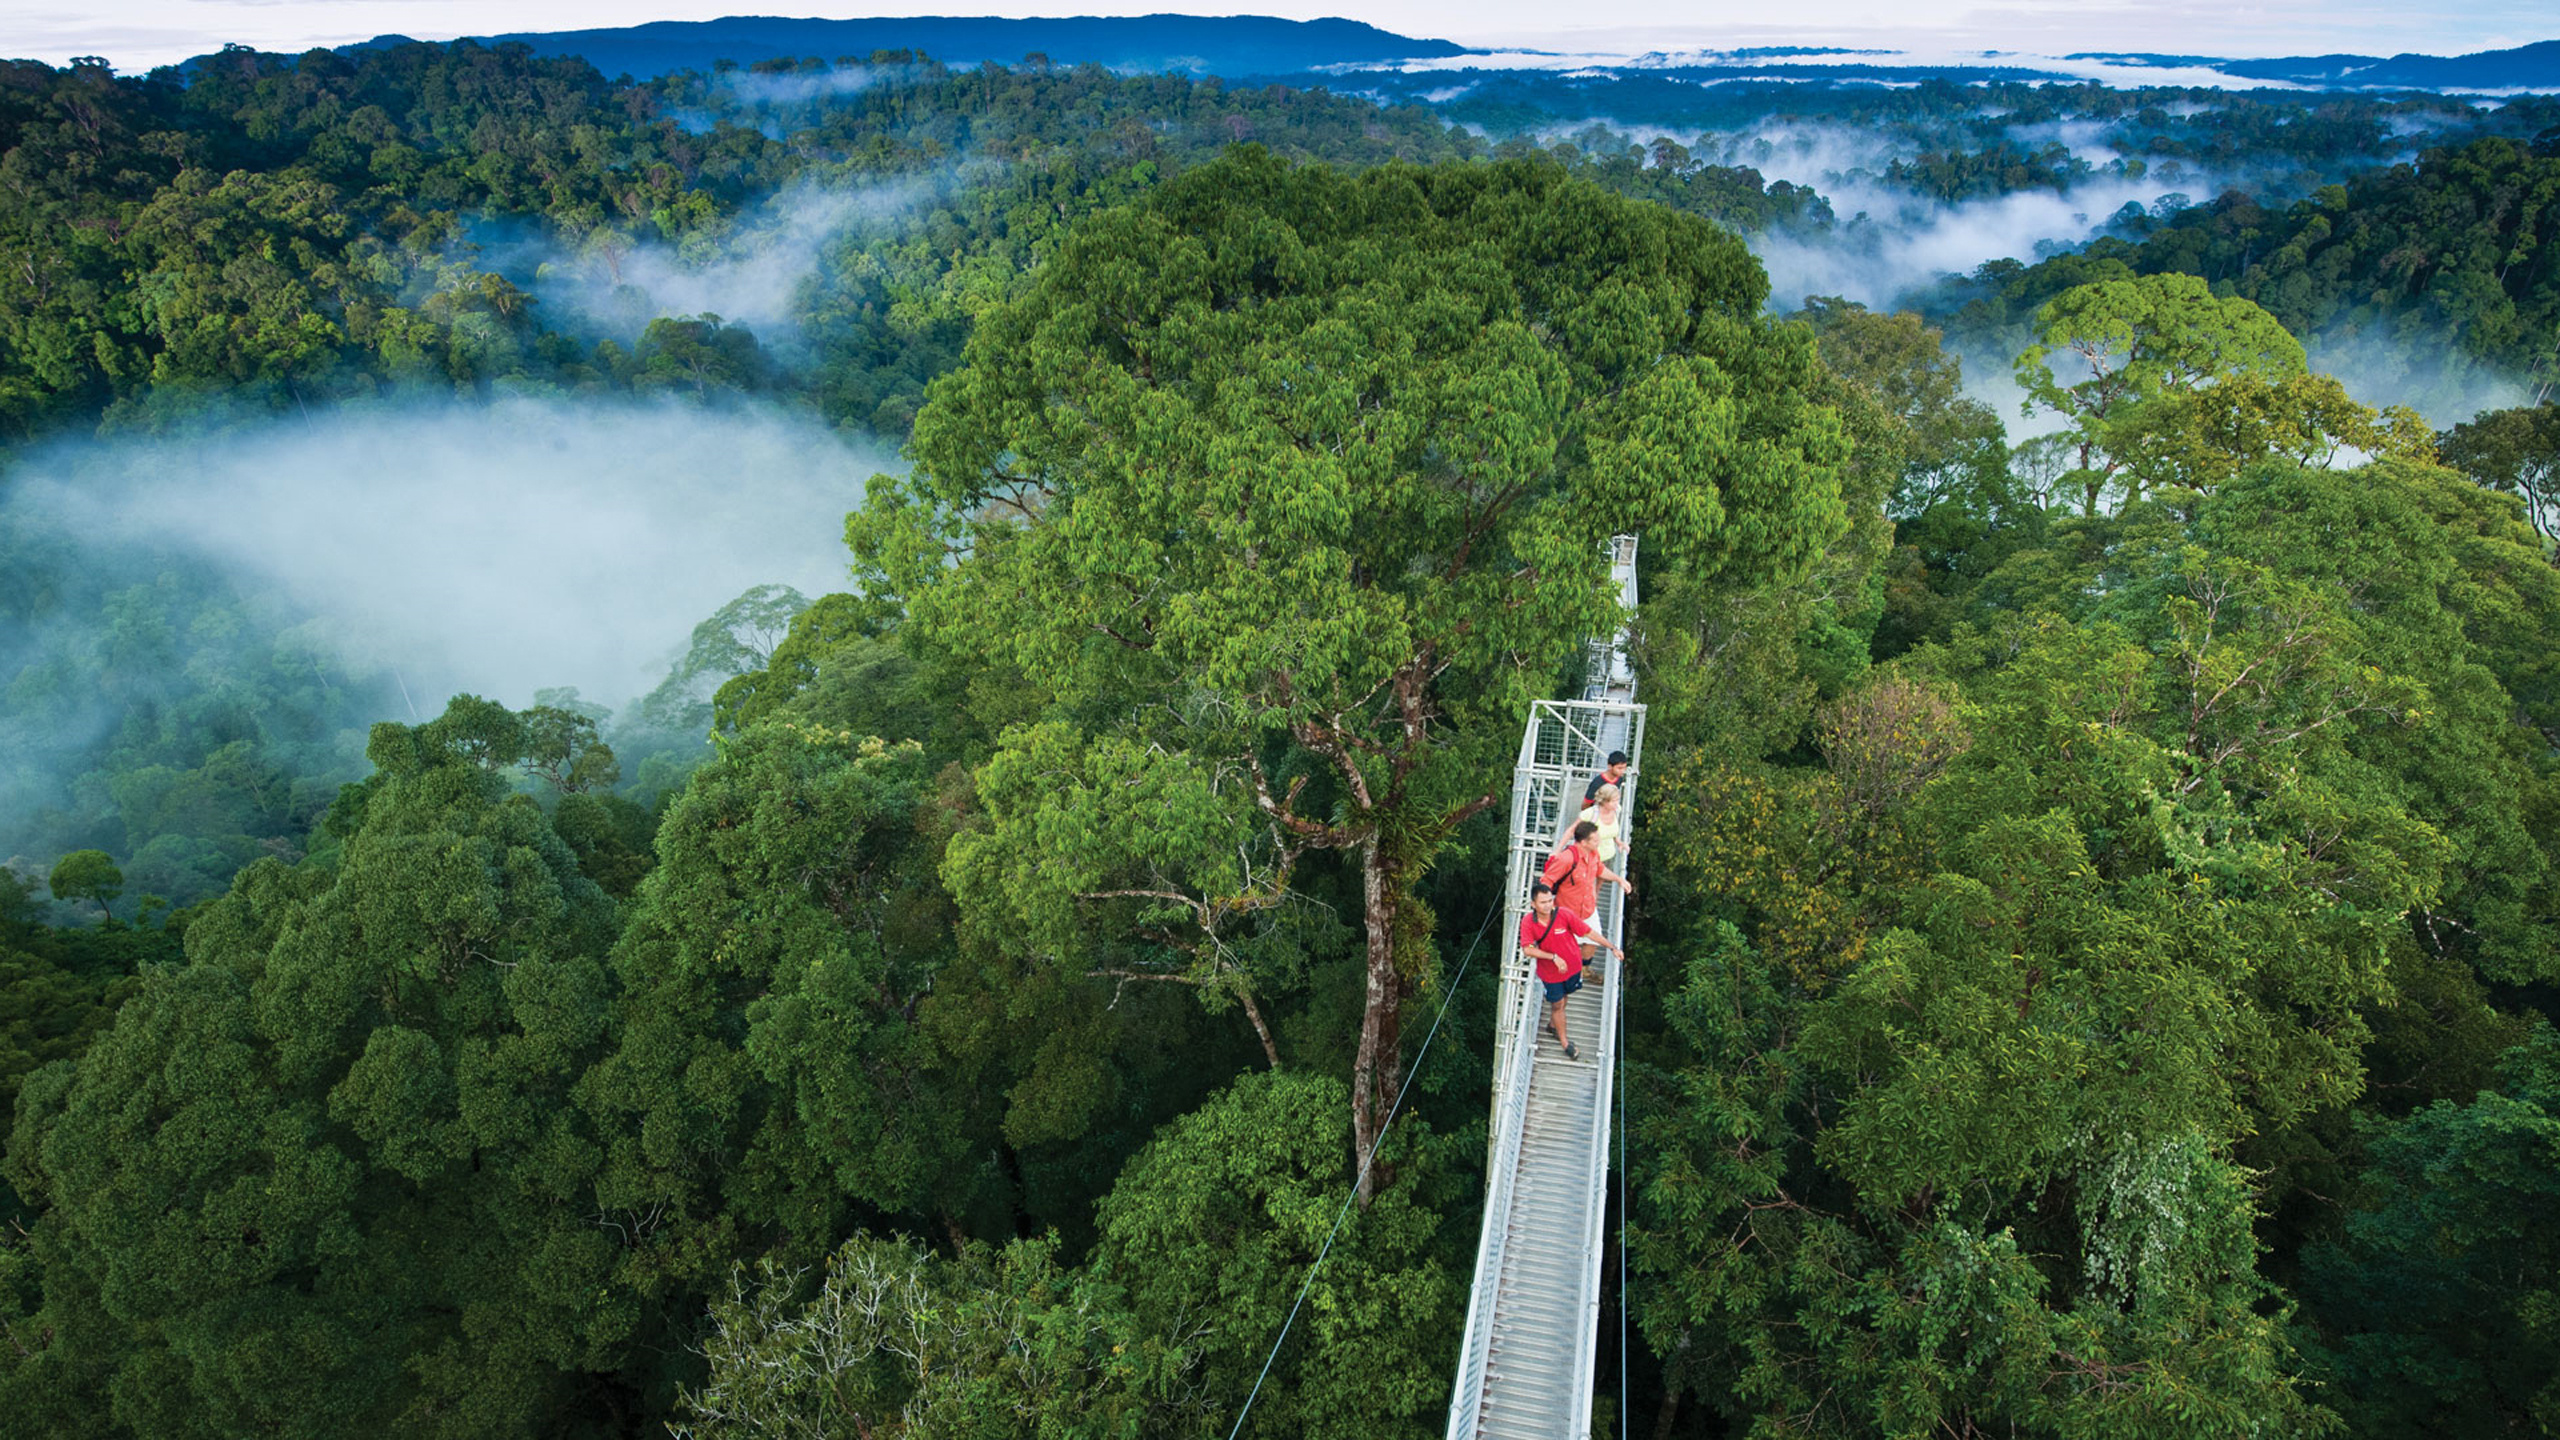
x=137 y=34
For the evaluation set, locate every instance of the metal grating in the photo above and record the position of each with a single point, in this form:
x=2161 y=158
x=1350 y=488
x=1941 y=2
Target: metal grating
x=1525 y=1367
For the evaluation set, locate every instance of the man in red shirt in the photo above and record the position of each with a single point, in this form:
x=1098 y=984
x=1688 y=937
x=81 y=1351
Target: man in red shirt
x=1553 y=937
x=1577 y=870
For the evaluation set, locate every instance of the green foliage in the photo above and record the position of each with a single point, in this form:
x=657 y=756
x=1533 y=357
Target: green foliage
x=326 y=1173
x=2439 y=269
x=89 y=875
x=736 y=640
x=2030 y=1002
x=2003 y=168
x=1979 y=1172
x=1315 y=495
x=1941 y=446
x=899 y=1342
x=59 y=990
x=184 y=724
x=2142 y=339
x=1211 y=1230
x=286 y=231
x=1206 y=1240
x=1930 y=463
x=2516 y=452
x=1666 y=173
x=771 y=1073
x=2098 y=944
x=1122 y=861
x=2183 y=387
x=2436 y=1307
x=834 y=668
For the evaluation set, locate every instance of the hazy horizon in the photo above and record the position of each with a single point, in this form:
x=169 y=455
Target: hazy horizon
x=134 y=35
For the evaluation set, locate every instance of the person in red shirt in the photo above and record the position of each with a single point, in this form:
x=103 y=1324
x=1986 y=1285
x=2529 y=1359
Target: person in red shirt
x=1553 y=937
x=1577 y=870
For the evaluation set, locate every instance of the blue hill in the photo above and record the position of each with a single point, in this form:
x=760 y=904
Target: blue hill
x=1321 y=51
x=2527 y=67
x=1193 y=44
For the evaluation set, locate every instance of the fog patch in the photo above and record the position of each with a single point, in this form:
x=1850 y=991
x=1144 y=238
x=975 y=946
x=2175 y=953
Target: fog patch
x=1889 y=241
x=778 y=104
x=2085 y=139
x=2425 y=374
x=800 y=87
x=758 y=274
x=1883 y=241
x=499 y=549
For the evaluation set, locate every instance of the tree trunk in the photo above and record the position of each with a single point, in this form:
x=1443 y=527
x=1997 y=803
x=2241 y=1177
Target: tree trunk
x=1669 y=1414
x=1375 y=1072
x=1262 y=1032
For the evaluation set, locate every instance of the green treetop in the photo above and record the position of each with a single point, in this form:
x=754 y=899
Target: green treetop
x=87 y=875
x=327 y=1177
x=2517 y=452
x=1304 y=476
x=2179 y=386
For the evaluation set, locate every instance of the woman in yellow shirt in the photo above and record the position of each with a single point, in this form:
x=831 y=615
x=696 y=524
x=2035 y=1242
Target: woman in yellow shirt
x=1603 y=812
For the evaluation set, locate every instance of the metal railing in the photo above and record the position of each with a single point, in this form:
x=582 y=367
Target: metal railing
x=1564 y=743
x=1510 y=1118
x=1586 y=1348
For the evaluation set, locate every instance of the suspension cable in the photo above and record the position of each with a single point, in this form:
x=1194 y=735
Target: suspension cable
x=1446 y=995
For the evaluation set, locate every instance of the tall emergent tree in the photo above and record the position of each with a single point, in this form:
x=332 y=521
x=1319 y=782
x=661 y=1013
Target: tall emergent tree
x=1285 y=488
x=87 y=875
x=2165 y=383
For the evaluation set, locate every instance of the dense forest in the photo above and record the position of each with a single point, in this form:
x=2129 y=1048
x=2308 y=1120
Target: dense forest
x=2100 y=855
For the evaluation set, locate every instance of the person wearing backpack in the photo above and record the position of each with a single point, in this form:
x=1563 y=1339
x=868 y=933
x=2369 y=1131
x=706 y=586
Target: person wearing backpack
x=1553 y=936
x=1577 y=870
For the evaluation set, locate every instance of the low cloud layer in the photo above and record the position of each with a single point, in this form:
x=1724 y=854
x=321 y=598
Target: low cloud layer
x=1903 y=244
x=1890 y=241
x=499 y=549
x=756 y=279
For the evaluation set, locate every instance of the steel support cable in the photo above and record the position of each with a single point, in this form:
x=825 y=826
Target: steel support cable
x=1447 y=995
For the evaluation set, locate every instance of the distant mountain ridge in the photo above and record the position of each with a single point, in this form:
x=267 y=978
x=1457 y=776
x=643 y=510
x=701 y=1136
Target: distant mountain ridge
x=2524 y=67
x=1340 y=51
x=1197 y=44
x=2535 y=66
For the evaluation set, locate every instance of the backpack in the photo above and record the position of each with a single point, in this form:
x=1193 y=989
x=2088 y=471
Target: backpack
x=1572 y=871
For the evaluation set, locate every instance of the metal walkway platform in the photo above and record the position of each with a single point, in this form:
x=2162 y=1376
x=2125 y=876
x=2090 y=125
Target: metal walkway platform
x=1527 y=1364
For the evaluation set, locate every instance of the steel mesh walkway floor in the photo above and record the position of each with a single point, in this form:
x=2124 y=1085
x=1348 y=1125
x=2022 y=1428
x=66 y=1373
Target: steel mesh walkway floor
x=1534 y=1345
x=1525 y=1366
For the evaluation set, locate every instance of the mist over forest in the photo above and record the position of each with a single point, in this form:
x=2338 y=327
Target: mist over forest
x=817 y=748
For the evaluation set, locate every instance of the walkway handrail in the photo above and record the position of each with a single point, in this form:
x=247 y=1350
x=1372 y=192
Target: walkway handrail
x=1532 y=1293
x=1587 y=1332
x=1510 y=1117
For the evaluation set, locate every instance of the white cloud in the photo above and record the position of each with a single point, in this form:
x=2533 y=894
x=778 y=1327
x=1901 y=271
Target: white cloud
x=754 y=279
x=499 y=549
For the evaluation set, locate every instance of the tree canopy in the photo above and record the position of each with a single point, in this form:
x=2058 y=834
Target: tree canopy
x=1298 y=481
x=2101 y=903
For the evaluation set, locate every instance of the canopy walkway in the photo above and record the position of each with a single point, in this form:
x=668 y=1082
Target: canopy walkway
x=1533 y=1319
